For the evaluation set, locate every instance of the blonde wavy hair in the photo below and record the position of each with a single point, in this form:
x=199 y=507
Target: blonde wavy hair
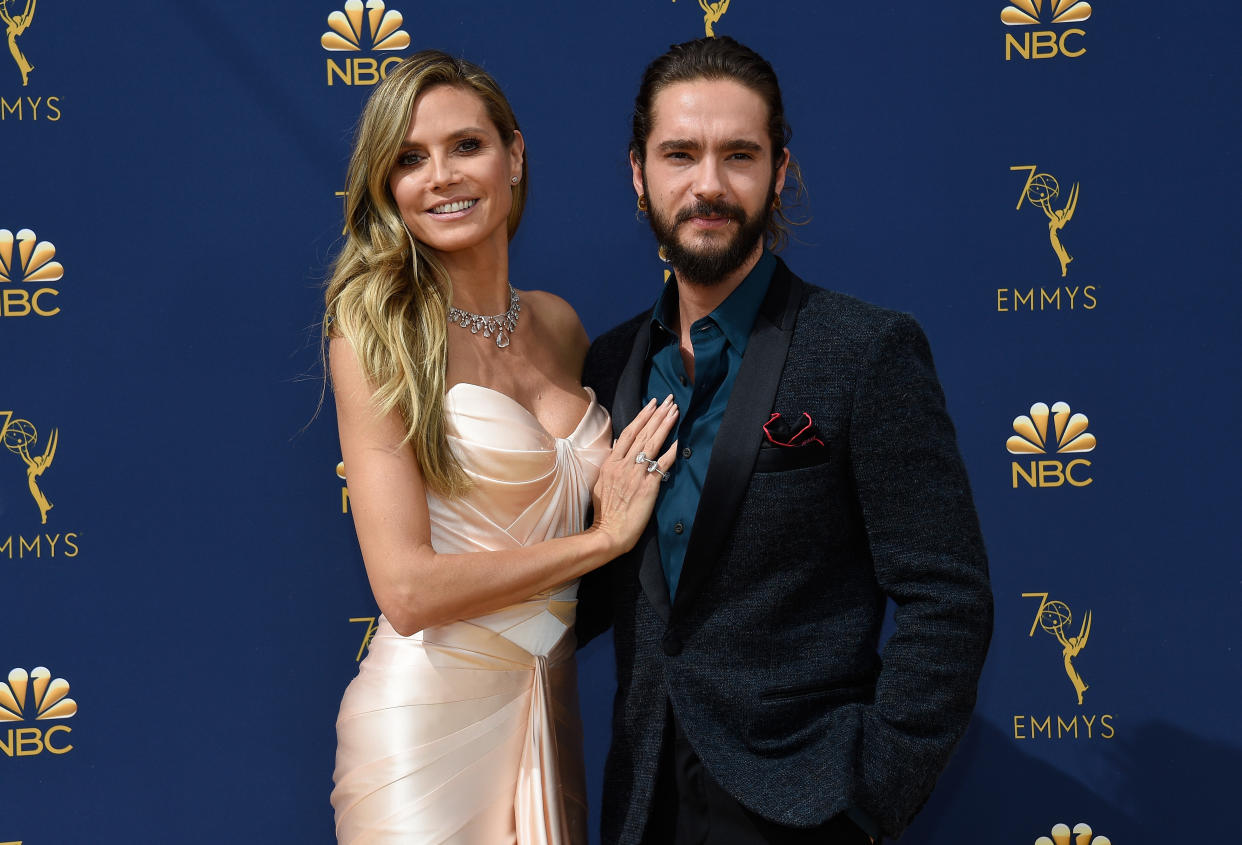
x=389 y=296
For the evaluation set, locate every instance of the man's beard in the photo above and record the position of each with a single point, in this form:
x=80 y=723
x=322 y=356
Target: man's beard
x=709 y=265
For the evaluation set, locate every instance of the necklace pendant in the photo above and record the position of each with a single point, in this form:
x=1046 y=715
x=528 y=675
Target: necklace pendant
x=501 y=324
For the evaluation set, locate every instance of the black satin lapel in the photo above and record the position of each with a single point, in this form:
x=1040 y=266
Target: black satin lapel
x=625 y=406
x=651 y=571
x=741 y=429
x=628 y=401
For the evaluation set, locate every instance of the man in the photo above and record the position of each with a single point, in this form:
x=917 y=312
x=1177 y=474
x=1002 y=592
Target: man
x=817 y=477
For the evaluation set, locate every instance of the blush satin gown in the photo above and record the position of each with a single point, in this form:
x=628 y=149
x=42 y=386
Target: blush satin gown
x=469 y=732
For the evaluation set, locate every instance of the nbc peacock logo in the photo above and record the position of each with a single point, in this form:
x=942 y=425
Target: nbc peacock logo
x=1029 y=12
x=35 y=696
x=26 y=263
x=1067 y=436
x=1045 y=44
x=1082 y=833
x=1069 y=431
x=363 y=27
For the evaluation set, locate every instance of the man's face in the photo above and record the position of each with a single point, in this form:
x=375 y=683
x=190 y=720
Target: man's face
x=708 y=177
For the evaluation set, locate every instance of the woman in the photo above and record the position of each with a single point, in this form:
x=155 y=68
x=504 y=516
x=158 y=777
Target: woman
x=471 y=449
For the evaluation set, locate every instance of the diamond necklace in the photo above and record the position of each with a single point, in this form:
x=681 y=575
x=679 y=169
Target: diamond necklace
x=501 y=324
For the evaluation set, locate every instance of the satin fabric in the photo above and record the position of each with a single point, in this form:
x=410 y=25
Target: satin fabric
x=469 y=732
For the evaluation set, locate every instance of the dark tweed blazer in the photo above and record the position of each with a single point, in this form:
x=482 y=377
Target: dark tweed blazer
x=768 y=655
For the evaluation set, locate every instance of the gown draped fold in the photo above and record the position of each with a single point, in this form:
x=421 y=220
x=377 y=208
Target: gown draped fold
x=469 y=732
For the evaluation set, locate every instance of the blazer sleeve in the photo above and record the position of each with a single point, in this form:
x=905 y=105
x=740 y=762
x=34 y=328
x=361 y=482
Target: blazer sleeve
x=929 y=558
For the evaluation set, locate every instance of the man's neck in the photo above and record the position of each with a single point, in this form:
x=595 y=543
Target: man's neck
x=697 y=301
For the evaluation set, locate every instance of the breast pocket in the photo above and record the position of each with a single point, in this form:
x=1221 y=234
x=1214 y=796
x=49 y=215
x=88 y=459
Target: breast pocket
x=784 y=458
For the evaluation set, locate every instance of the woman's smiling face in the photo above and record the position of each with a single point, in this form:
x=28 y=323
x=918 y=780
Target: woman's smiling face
x=453 y=176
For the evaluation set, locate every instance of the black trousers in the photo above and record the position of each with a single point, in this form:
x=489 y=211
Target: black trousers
x=691 y=808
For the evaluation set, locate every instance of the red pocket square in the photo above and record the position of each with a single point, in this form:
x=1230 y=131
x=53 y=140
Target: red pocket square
x=799 y=431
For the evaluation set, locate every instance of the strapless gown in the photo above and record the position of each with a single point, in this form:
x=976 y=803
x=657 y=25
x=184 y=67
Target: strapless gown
x=469 y=732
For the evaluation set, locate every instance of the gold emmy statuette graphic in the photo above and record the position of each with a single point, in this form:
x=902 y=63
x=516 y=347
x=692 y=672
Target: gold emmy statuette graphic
x=1053 y=616
x=1040 y=190
x=712 y=13
x=345 y=28
x=15 y=25
x=1027 y=12
x=50 y=701
x=344 y=222
x=1083 y=835
x=1069 y=431
x=366 y=638
x=18 y=437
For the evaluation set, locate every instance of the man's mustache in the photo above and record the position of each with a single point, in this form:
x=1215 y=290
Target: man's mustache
x=703 y=208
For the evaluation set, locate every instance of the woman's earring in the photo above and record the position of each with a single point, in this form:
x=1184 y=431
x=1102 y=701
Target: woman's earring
x=515 y=179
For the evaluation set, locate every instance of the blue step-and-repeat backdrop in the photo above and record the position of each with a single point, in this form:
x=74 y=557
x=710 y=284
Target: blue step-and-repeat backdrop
x=1051 y=187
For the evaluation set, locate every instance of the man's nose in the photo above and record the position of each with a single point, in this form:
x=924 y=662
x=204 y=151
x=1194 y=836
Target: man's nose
x=709 y=180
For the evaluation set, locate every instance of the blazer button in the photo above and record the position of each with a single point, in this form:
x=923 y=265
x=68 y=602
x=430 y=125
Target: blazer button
x=672 y=644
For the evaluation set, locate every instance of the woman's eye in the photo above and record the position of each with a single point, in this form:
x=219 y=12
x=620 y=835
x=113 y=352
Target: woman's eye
x=469 y=145
x=408 y=159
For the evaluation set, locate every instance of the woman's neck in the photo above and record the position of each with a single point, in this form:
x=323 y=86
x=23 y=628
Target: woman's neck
x=480 y=277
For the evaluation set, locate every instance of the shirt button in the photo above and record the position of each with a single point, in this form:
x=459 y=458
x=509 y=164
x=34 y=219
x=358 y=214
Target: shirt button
x=678 y=528
x=683 y=380
x=687 y=452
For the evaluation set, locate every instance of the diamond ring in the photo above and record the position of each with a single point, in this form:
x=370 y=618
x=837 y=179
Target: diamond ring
x=642 y=456
x=654 y=466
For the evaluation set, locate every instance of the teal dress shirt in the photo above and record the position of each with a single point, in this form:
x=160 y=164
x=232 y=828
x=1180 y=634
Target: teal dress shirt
x=719 y=341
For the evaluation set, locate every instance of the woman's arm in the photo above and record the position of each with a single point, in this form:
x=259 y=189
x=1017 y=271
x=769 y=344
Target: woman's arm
x=418 y=588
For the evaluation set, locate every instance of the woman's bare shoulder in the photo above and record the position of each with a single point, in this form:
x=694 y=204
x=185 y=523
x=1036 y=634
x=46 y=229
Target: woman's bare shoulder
x=558 y=322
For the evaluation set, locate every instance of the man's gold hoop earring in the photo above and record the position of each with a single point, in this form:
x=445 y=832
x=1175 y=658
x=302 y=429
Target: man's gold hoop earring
x=642 y=202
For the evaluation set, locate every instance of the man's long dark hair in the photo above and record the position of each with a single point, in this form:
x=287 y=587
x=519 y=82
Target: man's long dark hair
x=721 y=58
